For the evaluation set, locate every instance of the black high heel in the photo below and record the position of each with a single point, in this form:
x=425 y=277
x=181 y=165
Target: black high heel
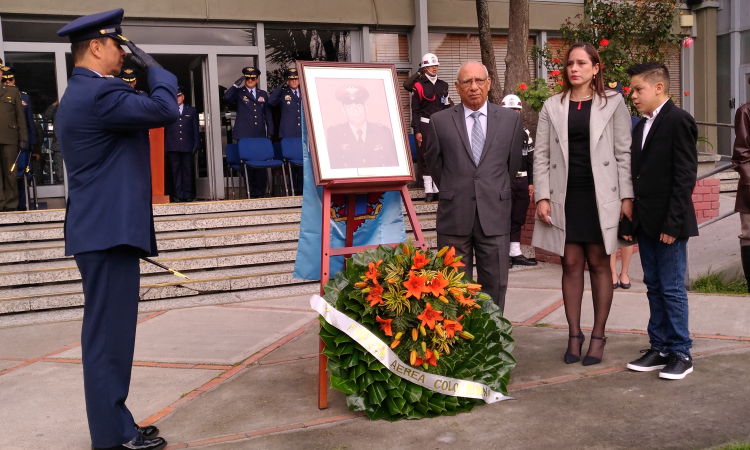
x=571 y=358
x=591 y=360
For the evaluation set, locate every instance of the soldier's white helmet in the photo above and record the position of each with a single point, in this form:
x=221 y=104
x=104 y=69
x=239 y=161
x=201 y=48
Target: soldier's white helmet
x=511 y=101
x=429 y=59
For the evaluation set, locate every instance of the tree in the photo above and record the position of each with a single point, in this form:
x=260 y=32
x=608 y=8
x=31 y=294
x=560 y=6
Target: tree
x=516 y=60
x=488 y=52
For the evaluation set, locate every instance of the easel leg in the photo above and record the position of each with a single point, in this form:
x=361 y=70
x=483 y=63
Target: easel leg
x=325 y=264
x=412 y=214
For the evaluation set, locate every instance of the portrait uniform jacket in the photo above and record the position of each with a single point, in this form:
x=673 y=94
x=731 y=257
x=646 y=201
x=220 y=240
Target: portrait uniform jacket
x=377 y=150
x=102 y=125
x=291 y=111
x=466 y=188
x=254 y=117
x=432 y=100
x=184 y=135
x=12 y=116
x=664 y=173
x=30 y=128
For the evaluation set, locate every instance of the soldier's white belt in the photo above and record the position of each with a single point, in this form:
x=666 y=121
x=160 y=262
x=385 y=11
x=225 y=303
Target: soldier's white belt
x=424 y=119
x=522 y=174
x=381 y=352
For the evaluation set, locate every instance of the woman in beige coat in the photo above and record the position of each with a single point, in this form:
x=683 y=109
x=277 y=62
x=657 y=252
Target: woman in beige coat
x=583 y=187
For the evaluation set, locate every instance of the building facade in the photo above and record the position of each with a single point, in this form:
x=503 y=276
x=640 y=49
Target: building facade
x=207 y=42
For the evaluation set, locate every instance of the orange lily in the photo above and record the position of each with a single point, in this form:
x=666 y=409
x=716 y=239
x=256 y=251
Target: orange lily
x=451 y=327
x=373 y=273
x=385 y=325
x=448 y=260
x=464 y=301
x=420 y=260
x=374 y=296
x=438 y=284
x=415 y=285
x=473 y=287
x=429 y=316
x=429 y=357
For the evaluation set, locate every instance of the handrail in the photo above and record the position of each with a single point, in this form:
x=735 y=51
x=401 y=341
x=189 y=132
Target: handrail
x=714 y=171
x=713 y=124
x=716 y=219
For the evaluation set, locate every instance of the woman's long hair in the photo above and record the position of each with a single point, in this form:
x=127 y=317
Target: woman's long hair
x=597 y=84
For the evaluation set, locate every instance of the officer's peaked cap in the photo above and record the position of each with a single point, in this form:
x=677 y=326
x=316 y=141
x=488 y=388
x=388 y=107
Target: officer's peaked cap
x=8 y=72
x=291 y=74
x=251 y=72
x=352 y=93
x=129 y=74
x=103 y=24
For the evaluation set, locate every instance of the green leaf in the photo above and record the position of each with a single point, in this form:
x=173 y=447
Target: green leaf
x=376 y=393
x=364 y=380
x=356 y=402
x=341 y=338
x=350 y=361
x=395 y=405
x=412 y=392
x=361 y=369
x=345 y=386
x=437 y=404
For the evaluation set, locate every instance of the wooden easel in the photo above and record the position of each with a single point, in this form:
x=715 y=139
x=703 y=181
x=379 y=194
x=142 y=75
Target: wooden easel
x=351 y=188
x=156 y=138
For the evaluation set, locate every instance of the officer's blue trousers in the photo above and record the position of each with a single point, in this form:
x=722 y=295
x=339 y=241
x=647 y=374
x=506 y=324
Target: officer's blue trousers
x=110 y=289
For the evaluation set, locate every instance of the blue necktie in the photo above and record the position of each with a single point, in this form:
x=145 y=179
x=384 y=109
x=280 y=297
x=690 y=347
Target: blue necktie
x=477 y=137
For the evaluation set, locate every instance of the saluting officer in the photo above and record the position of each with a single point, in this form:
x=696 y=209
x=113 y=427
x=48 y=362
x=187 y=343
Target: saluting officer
x=429 y=96
x=288 y=97
x=130 y=76
x=522 y=188
x=181 y=140
x=103 y=124
x=13 y=140
x=254 y=119
x=359 y=143
x=9 y=79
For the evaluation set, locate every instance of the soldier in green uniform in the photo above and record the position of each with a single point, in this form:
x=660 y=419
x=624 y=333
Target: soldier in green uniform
x=13 y=138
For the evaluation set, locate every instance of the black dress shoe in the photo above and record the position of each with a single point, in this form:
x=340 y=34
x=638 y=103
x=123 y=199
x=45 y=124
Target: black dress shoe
x=651 y=360
x=677 y=368
x=177 y=200
x=148 y=432
x=571 y=358
x=429 y=197
x=138 y=443
x=591 y=360
x=523 y=261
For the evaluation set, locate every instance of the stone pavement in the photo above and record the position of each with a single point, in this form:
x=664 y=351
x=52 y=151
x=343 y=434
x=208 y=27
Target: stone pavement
x=244 y=376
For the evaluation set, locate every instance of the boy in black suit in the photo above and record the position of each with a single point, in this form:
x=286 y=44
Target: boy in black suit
x=665 y=166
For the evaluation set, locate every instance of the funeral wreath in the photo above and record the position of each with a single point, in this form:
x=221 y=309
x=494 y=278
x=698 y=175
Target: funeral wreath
x=435 y=319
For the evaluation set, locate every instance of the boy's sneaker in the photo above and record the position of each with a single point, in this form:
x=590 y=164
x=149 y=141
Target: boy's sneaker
x=677 y=368
x=651 y=360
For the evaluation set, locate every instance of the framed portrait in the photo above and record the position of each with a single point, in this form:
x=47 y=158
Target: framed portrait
x=355 y=126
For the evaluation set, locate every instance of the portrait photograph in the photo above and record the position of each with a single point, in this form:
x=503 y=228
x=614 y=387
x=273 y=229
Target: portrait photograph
x=354 y=122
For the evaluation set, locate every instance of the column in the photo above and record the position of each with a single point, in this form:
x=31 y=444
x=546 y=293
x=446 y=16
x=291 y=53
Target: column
x=419 y=36
x=705 y=73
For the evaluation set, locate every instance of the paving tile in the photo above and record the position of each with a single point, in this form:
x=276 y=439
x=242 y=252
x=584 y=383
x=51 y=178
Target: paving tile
x=8 y=364
x=36 y=340
x=523 y=304
x=43 y=403
x=305 y=344
x=210 y=335
x=296 y=302
x=260 y=397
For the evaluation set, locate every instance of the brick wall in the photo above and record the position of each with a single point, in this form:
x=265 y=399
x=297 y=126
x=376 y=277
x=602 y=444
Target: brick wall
x=705 y=201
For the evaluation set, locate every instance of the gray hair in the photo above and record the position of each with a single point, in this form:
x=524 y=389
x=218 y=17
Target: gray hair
x=486 y=72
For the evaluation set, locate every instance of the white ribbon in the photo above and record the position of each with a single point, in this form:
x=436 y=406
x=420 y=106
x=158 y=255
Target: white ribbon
x=378 y=349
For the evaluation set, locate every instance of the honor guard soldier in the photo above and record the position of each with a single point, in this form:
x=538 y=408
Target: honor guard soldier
x=130 y=76
x=9 y=79
x=103 y=124
x=288 y=98
x=254 y=119
x=429 y=96
x=181 y=141
x=522 y=187
x=14 y=139
x=359 y=143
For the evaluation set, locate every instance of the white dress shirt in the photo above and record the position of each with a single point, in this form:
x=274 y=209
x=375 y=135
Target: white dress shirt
x=181 y=106
x=650 y=121
x=470 y=120
x=364 y=131
x=252 y=91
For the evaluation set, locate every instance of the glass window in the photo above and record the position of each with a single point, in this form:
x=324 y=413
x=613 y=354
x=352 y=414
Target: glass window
x=745 y=47
x=35 y=75
x=284 y=47
x=27 y=30
x=389 y=47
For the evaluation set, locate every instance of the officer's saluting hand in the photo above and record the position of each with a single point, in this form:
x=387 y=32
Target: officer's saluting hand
x=102 y=126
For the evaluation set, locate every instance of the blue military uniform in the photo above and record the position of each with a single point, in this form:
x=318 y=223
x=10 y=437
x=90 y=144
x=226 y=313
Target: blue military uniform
x=290 y=102
x=102 y=125
x=254 y=120
x=9 y=73
x=130 y=75
x=181 y=139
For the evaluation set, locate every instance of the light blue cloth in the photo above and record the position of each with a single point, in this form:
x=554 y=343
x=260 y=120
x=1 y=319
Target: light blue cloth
x=381 y=225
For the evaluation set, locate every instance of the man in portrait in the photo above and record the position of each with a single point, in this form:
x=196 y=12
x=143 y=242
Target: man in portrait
x=359 y=143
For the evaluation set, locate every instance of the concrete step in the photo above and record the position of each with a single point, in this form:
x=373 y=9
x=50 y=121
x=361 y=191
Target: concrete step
x=160 y=285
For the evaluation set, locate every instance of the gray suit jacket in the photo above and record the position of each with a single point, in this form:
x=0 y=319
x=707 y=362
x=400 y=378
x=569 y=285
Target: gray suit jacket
x=466 y=188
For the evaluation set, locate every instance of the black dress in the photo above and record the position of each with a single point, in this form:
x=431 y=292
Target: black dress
x=581 y=212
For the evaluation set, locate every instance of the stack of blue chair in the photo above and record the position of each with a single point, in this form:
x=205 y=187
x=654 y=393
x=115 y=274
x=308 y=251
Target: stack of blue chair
x=291 y=150
x=25 y=173
x=258 y=153
x=234 y=163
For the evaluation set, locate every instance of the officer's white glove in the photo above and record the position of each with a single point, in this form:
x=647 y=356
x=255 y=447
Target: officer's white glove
x=240 y=81
x=140 y=58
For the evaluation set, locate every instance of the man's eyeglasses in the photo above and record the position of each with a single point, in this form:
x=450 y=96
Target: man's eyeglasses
x=466 y=84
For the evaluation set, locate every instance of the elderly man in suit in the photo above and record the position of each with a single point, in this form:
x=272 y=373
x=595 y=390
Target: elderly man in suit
x=471 y=150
